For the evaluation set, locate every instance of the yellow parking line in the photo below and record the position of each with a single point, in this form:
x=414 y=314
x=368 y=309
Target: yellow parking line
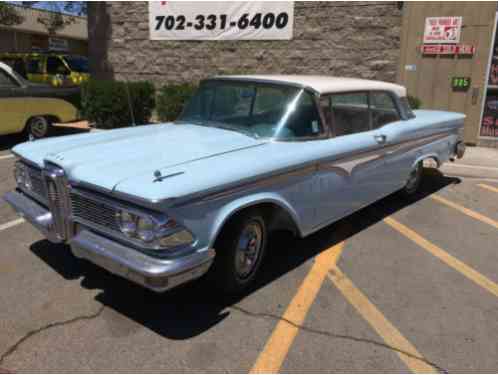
x=273 y=355
x=439 y=253
x=11 y=224
x=465 y=211
x=487 y=187
x=390 y=334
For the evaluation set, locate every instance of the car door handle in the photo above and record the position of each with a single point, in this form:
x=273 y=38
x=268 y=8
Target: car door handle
x=380 y=138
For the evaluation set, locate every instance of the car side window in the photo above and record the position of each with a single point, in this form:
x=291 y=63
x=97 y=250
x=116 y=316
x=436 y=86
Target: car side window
x=383 y=108
x=304 y=121
x=348 y=113
x=6 y=81
x=56 y=66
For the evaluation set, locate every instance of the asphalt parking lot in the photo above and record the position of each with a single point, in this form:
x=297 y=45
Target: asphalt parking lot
x=401 y=286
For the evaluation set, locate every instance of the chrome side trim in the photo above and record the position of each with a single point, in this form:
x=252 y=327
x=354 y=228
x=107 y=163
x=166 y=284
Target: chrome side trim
x=310 y=167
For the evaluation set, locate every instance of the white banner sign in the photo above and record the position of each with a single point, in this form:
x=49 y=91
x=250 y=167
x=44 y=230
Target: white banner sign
x=221 y=20
x=442 y=29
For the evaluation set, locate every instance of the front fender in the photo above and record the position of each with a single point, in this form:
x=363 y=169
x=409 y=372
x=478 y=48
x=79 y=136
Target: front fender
x=231 y=208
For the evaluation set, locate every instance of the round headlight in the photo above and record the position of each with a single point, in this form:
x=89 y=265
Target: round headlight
x=127 y=223
x=146 y=229
x=27 y=181
x=19 y=174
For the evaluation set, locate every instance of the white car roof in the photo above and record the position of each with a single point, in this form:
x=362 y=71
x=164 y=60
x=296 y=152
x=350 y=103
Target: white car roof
x=5 y=67
x=326 y=84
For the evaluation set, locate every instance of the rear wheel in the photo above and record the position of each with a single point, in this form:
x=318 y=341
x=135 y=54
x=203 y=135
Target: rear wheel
x=240 y=251
x=38 y=127
x=414 y=180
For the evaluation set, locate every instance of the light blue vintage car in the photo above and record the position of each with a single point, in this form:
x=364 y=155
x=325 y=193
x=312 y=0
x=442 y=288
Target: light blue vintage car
x=164 y=204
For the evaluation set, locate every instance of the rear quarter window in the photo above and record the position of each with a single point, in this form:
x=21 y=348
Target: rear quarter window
x=405 y=107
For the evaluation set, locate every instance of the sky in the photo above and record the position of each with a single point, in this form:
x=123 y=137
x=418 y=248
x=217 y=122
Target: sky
x=55 y=6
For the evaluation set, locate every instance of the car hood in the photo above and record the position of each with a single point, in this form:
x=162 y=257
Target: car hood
x=107 y=158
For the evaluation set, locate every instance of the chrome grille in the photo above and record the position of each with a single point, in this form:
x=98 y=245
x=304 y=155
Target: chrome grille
x=56 y=187
x=93 y=211
x=53 y=195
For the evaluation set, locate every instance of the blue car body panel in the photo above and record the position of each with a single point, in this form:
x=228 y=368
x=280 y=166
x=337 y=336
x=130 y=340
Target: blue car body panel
x=207 y=174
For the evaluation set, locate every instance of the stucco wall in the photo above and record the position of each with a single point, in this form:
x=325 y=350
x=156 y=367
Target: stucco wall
x=342 y=39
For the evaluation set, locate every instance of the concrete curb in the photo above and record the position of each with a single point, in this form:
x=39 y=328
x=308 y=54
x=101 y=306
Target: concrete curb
x=466 y=170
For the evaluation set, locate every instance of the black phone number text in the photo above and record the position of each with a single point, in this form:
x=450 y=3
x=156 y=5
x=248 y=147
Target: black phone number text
x=220 y=21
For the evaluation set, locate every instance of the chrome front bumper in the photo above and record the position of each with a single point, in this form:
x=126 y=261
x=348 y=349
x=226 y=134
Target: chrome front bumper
x=156 y=274
x=36 y=214
x=153 y=273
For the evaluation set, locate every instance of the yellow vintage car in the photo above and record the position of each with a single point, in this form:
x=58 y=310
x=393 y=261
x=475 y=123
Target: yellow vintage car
x=32 y=108
x=58 y=70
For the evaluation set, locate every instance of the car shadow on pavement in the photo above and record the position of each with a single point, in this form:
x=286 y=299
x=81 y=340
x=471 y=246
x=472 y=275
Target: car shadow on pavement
x=190 y=310
x=9 y=141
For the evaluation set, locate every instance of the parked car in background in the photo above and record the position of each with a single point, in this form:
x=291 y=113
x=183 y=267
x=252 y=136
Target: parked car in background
x=165 y=204
x=33 y=108
x=52 y=68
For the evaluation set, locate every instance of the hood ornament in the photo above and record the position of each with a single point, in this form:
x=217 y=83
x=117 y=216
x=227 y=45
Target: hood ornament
x=159 y=177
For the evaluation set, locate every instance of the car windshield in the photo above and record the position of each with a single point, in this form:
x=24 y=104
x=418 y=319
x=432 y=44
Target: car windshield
x=17 y=76
x=77 y=63
x=260 y=110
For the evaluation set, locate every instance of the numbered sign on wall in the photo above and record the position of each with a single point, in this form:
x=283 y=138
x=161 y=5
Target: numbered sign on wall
x=221 y=20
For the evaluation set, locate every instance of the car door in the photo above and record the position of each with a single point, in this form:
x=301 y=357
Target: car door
x=388 y=124
x=353 y=175
x=12 y=105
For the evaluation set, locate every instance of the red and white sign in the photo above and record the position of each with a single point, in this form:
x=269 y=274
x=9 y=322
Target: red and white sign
x=442 y=30
x=448 y=49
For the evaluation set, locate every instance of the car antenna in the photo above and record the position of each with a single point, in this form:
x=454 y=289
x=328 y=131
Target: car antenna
x=129 y=104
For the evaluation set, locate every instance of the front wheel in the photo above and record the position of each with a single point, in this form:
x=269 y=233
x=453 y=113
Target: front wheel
x=239 y=252
x=414 y=180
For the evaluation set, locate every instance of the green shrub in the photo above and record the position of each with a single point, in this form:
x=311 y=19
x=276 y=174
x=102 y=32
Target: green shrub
x=415 y=103
x=171 y=100
x=106 y=103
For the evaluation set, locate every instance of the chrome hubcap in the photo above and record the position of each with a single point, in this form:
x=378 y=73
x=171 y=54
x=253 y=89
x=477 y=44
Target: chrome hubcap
x=39 y=127
x=248 y=250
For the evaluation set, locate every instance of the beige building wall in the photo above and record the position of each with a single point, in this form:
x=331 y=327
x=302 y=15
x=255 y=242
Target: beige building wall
x=32 y=34
x=431 y=79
